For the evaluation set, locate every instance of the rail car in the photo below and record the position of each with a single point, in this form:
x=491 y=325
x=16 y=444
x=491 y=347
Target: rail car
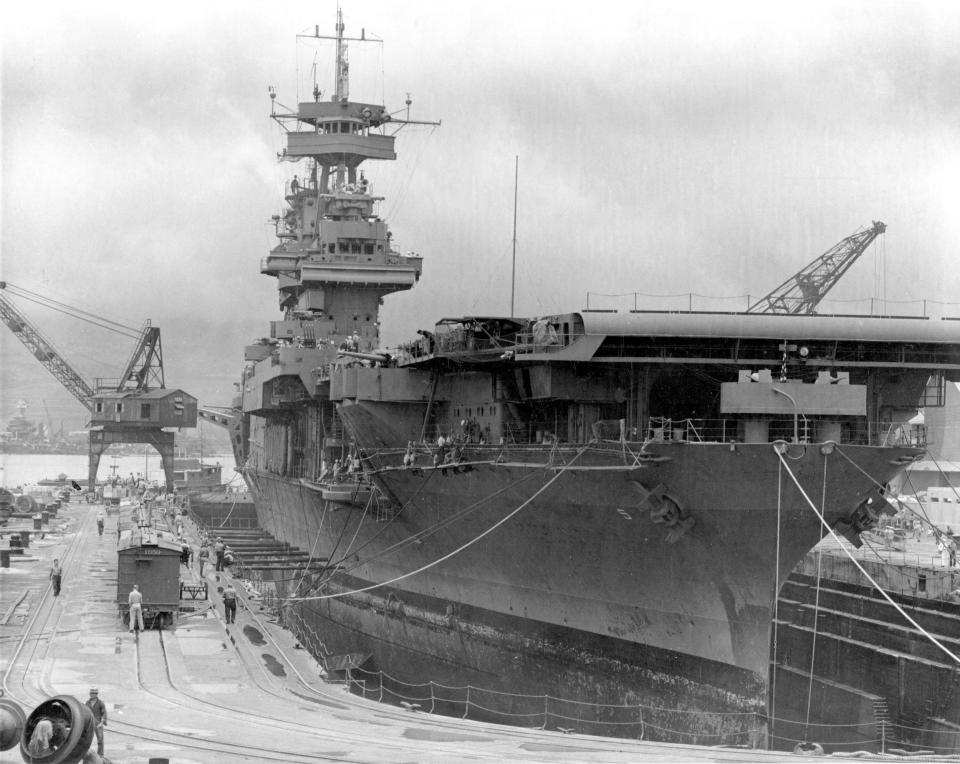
x=149 y=558
x=112 y=494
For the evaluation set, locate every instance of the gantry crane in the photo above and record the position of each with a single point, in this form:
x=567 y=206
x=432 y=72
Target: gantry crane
x=802 y=292
x=135 y=408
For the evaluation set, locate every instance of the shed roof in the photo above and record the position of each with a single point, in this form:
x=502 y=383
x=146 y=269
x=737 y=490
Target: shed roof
x=137 y=538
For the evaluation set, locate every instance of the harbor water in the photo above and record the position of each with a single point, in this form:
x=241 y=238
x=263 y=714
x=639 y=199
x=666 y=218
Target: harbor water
x=28 y=469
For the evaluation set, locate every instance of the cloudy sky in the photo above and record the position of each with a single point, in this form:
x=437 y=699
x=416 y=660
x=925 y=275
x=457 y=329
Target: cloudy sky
x=665 y=148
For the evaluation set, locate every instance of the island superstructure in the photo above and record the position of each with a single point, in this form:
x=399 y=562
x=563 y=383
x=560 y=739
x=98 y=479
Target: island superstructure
x=334 y=263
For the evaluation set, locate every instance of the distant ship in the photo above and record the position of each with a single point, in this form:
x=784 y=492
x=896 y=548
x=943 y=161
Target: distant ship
x=63 y=481
x=26 y=436
x=579 y=519
x=193 y=475
x=21 y=428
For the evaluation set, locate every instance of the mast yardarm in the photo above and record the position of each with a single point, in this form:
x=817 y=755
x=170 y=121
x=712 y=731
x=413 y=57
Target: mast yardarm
x=335 y=260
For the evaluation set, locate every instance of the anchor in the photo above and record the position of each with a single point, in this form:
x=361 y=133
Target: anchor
x=664 y=510
x=865 y=516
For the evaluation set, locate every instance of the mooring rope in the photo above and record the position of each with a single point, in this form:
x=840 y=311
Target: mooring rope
x=313 y=550
x=944 y=475
x=427 y=532
x=232 y=507
x=447 y=556
x=816 y=609
x=924 y=517
x=776 y=596
x=856 y=562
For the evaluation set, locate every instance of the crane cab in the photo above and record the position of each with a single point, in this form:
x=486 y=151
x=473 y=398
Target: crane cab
x=151 y=409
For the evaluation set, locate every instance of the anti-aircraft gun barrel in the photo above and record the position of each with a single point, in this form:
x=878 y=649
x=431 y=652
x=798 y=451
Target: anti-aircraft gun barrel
x=383 y=358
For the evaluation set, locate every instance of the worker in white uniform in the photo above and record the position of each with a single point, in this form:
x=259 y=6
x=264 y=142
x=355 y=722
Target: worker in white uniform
x=135 y=600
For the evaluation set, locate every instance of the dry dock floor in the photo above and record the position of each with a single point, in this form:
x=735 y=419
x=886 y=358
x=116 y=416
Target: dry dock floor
x=212 y=692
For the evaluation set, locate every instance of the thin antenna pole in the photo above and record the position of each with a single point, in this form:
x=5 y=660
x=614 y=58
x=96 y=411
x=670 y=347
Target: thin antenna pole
x=340 y=85
x=513 y=272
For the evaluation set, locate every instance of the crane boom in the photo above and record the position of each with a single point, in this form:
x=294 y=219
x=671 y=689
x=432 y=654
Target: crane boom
x=44 y=351
x=144 y=369
x=802 y=292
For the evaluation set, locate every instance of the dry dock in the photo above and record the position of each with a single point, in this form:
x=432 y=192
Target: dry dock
x=212 y=692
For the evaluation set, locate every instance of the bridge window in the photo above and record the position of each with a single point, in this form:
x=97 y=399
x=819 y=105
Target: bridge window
x=119 y=408
x=144 y=410
x=99 y=407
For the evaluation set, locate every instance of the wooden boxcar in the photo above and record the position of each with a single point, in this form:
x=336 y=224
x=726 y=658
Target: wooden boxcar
x=150 y=559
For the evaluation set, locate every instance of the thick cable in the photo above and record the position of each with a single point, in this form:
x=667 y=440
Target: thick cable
x=776 y=596
x=72 y=311
x=427 y=532
x=856 y=562
x=447 y=556
x=816 y=609
x=943 y=475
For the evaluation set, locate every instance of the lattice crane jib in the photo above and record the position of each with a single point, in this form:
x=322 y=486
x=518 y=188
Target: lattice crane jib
x=144 y=369
x=44 y=351
x=802 y=292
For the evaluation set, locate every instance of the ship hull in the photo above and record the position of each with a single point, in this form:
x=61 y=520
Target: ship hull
x=560 y=579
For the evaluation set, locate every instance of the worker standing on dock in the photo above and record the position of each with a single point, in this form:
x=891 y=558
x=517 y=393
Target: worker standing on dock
x=230 y=603
x=202 y=556
x=135 y=600
x=56 y=576
x=218 y=549
x=100 y=520
x=99 y=711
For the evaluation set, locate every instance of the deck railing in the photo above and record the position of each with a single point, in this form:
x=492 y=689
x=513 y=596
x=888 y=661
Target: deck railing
x=666 y=429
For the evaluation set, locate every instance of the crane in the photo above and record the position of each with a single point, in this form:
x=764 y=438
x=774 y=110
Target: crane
x=44 y=351
x=802 y=292
x=135 y=408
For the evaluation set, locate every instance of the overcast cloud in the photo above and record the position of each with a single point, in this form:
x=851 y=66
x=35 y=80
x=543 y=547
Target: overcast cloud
x=664 y=148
